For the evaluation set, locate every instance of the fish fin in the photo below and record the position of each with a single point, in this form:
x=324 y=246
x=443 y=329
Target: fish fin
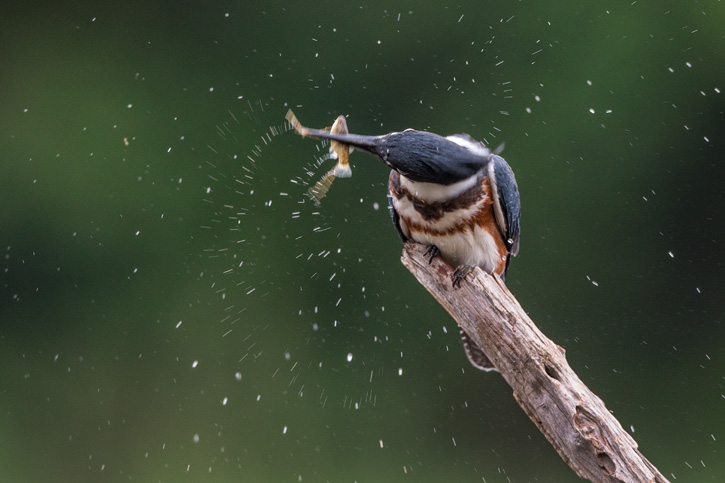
x=320 y=189
x=342 y=170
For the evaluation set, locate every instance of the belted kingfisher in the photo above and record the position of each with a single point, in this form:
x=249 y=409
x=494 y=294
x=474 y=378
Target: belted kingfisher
x=453 y=195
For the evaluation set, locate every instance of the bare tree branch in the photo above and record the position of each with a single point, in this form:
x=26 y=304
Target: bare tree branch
x=574 y=420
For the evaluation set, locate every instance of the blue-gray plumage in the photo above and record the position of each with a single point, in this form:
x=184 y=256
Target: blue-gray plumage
x=506 y=197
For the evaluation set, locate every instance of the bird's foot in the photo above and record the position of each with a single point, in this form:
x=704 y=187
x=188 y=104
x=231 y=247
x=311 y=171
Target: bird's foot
x=460 y=273
x=432 y=252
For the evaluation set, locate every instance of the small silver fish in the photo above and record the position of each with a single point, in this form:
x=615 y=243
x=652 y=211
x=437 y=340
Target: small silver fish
x=341 y=151
x=338 y=151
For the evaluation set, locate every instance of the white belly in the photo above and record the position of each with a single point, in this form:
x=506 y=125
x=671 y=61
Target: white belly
x=472 y=247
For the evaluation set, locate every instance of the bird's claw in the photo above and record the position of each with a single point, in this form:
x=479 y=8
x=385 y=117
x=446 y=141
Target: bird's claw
x=460 y=273
x=431 y=252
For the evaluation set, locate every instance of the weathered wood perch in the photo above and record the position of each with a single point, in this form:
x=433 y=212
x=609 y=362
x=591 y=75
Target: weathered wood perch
x=574 y=420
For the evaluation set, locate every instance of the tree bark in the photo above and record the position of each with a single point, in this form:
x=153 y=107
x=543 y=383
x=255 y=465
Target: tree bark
x=574 y=420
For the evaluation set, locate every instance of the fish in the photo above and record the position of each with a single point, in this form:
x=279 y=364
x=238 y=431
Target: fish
x=338 y=150
x=342 y=151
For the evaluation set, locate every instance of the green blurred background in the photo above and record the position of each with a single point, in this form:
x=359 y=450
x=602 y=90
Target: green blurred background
x=175 y=309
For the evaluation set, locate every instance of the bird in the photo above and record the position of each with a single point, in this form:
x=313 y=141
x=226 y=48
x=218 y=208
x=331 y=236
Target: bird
x=453 y=195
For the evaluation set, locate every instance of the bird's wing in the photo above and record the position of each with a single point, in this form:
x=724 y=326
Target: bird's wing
x=507 y=202
x=394 y=216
